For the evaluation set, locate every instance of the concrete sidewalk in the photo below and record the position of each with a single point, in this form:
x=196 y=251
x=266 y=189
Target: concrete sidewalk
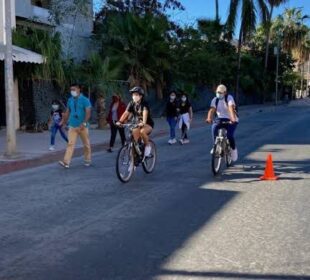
x=33 y=147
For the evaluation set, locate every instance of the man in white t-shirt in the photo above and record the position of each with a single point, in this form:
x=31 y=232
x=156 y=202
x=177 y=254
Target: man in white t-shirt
x=224 y=107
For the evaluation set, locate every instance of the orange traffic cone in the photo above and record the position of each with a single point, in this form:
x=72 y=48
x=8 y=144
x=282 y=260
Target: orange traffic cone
x=269 y=172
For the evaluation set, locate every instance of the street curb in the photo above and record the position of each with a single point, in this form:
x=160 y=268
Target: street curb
x=22 y=164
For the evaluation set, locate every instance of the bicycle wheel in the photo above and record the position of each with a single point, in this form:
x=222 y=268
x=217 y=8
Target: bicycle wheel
x=149 y=162
x=217 y=157
x=228 y=156
x=125 y=163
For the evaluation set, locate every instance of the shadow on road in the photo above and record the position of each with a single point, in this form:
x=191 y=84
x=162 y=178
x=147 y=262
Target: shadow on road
x=234 y=275
x=141 y=245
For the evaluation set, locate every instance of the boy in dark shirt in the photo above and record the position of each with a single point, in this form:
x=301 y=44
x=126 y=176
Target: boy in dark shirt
x=172 y=111
x=54 y=122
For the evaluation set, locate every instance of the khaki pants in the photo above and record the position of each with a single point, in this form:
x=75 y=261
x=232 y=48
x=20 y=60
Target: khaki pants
x=73 y=133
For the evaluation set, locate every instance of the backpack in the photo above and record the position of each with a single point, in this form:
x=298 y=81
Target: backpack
x=226 y=101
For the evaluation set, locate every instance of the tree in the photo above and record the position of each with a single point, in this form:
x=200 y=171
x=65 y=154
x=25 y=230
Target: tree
x=272 y=5
x=217 y=17
x=139 y=45
x=294 y=35
x=267 y=28
x=248 y=25
x=139 y=7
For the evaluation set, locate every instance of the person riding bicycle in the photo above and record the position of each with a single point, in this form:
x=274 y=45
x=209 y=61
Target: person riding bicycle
x=139 y=109
x=224 y=106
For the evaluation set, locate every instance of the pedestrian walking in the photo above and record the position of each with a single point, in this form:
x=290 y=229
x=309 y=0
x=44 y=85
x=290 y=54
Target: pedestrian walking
x=78 y=113
x=172 y=115
x=55 y=124
x=117 y=108
x=185 y=119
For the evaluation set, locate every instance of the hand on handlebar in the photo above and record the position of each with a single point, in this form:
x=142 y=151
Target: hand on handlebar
x=141 y=124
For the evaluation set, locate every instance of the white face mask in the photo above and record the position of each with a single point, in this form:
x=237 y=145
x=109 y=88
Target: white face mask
x=220 y=95
x=55 y=107
x=172 y=97
x=74 y=93
x=136 y=98
x=184 y=99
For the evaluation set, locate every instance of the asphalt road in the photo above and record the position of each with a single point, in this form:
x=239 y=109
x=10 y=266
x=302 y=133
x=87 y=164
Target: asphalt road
x=177 y=223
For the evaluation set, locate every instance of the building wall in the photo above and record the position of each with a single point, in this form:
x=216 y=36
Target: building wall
x=76 y=29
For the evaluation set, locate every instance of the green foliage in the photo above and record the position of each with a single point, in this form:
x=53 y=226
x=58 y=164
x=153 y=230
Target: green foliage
x=49 y=46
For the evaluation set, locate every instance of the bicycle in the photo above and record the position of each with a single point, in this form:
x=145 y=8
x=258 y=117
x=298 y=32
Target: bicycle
x=221 y=150
x=131 y=155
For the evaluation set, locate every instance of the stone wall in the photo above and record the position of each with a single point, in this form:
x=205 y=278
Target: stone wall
x=44 y=93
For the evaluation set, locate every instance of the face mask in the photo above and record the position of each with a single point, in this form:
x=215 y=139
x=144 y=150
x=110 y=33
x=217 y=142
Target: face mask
x=172 y=97
x=55 y=107
x=74 y=93
x=220 y=95
x=136 y=98
x=184 y=99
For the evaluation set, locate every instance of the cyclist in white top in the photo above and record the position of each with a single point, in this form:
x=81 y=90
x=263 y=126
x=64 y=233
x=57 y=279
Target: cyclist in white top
x=224 y=107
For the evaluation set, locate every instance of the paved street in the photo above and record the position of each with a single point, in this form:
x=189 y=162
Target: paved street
x=177 y=223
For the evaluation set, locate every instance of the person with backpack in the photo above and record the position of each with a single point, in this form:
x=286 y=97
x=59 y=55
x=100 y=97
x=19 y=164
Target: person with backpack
x=224 y=107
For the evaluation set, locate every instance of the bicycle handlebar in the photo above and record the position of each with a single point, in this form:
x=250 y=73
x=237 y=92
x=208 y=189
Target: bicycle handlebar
x=129 y=125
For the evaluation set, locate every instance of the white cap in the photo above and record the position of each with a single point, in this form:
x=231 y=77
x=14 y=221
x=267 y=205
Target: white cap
x=221 y=89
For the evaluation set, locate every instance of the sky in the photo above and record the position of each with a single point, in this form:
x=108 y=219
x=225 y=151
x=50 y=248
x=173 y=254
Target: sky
x=206 y=8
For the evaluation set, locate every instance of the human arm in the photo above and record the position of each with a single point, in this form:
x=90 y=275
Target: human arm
x=65 y=117
x=86 y=118
x=124 y=117
x=190 y=111
x=232 y=114
x=210 y=116
x=232 y=109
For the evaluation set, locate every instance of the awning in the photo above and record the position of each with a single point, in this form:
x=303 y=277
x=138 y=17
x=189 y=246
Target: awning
x=22 y=55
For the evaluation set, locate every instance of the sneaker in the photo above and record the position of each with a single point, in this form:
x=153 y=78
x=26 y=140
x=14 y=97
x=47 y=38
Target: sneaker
x=234 y=154
x=87 y=163
x=181 y=141
x=63 y=164
x=52 y=148
x=173 y=141
x=185 y=141
x=170 y=141
x=212 y=151
x=147 y=151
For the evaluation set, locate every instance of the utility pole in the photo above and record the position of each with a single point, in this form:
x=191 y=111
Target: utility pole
x=308 y=77
x=277 y=71
x=9 y=84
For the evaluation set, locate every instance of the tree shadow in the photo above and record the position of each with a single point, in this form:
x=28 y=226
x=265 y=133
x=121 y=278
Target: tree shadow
x=234 y=275
x=252 y=170
x=142 y=244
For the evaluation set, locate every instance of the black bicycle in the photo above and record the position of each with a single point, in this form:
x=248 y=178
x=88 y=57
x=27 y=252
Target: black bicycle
x=221 y=149
x=131 y=155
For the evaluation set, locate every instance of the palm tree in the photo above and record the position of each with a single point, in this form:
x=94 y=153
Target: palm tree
x=272 y=4
x=217 y=17
x=139 y=45
x=248 y=9
x=294 y=35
